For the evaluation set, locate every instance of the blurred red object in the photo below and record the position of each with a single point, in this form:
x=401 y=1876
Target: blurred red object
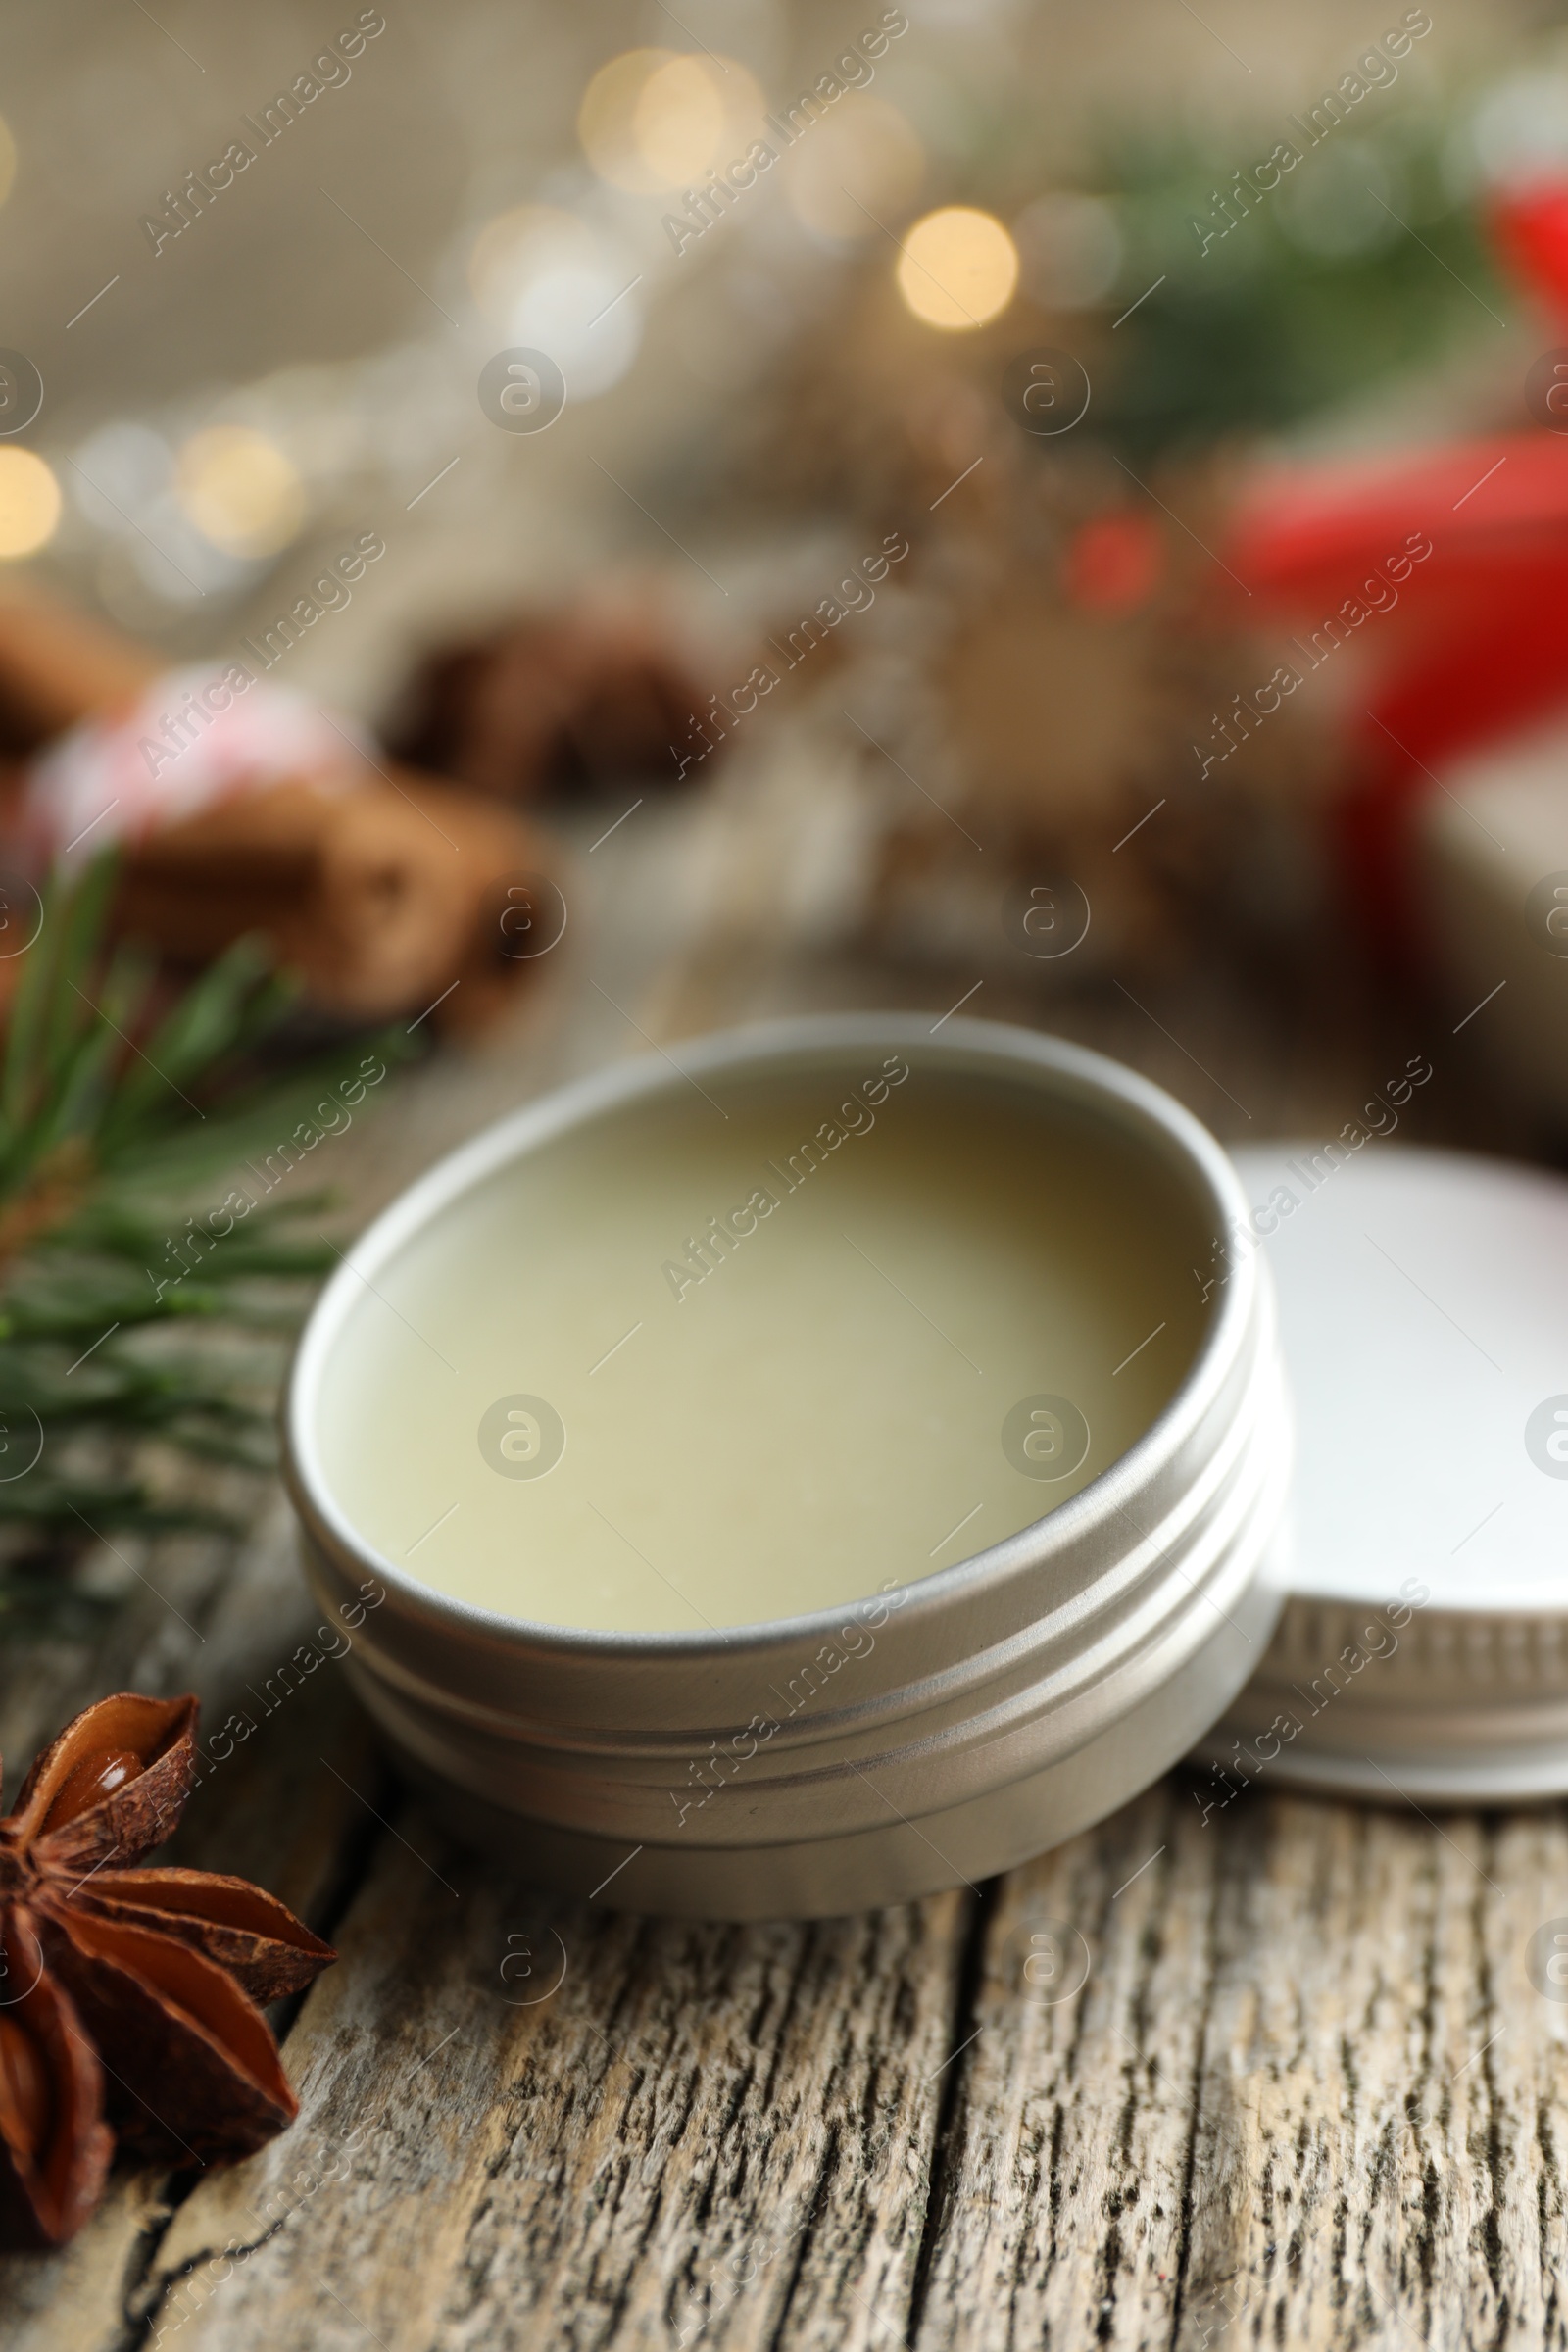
x=1480 y=645
x=1529 y=227
x=1114 y=561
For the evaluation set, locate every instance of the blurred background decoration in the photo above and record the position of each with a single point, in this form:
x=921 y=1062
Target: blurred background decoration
x=1066 y=502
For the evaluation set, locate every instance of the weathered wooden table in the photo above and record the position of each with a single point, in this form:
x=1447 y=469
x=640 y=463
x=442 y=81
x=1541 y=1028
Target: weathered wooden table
x=1305 y=2094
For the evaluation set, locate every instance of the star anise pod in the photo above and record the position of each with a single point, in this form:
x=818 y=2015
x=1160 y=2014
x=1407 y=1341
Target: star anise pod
x=128 y=1996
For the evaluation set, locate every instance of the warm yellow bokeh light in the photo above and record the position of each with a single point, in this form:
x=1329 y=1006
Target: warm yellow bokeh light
x=679 y=122
x=958 y=268
x=858 y=166
x=652 y=121
x=516 y=247
x=606 y=115
x=239 y=490
x=30 y=503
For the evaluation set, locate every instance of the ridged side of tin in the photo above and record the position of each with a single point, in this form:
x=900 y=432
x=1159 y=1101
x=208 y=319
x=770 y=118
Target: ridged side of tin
x=1435 y=1705
x=989 y=1710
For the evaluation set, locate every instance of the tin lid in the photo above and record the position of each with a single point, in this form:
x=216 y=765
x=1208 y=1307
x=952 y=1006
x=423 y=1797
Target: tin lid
x=1423 y=1652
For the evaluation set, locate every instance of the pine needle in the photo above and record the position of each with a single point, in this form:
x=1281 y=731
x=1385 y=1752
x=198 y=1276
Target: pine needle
x=114 y=1115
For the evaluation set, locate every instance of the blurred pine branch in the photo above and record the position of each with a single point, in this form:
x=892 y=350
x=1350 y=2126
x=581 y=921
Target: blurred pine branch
x=114 y=1115
x=1264 y=308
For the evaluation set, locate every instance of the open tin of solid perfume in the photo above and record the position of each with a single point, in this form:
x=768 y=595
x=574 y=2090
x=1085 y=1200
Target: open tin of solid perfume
x=802 y=1472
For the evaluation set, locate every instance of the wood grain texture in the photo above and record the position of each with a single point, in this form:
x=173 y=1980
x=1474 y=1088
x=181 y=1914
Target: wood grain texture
x=1304 y=2093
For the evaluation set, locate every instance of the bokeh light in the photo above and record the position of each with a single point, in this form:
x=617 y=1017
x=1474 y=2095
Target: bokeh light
x=119 y=473
x=1519 y=132
x=239 y=490
x=652 y=120
x=858 y=166
x=515 y=248
x=957 y=269
x=30 y=503
x=678 y=122
x=606 y=116
x=544 y=278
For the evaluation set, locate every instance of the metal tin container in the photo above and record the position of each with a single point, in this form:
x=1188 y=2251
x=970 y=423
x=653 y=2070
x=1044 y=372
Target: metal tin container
x=1423 y=1651
x=997 y=1705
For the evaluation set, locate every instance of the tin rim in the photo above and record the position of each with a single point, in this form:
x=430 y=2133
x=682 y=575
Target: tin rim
x=1028 y=1056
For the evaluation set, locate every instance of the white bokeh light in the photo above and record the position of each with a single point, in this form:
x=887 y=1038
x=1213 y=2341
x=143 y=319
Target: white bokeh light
x=584 y=316
x=119 y=472
x=544 y=278
x=1519 y=132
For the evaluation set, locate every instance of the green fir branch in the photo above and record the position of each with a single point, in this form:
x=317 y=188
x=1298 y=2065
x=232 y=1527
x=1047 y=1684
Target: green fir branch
x=117 y=1108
